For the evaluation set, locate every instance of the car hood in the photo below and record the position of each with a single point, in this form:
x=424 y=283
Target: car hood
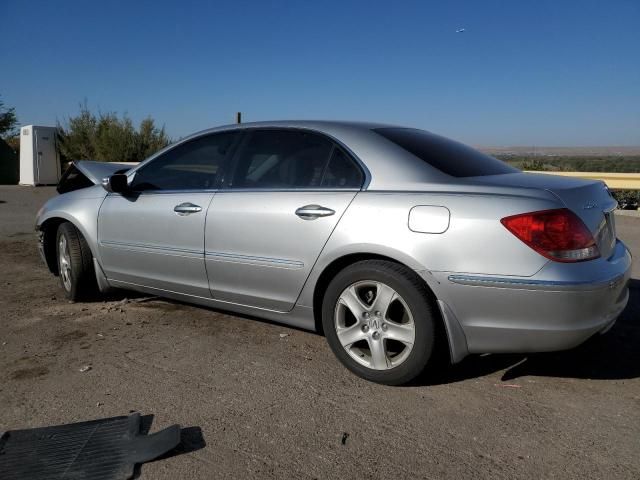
x=96 y=171
x=85 y=173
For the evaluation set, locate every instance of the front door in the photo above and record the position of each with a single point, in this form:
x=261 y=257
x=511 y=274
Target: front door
x=146 y=241
x=154 y=235
x=266 y=229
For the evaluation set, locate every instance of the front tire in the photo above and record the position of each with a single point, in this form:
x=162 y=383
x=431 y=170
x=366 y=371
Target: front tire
x=379 y=321
x=75 y=263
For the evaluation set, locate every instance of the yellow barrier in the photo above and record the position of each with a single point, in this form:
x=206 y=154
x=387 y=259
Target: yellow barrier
x=615 y=181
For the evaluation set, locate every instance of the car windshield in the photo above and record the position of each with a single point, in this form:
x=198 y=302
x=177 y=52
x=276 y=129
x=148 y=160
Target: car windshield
x=449 y=157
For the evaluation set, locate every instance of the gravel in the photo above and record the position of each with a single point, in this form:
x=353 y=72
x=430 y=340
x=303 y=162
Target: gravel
x=255 y=406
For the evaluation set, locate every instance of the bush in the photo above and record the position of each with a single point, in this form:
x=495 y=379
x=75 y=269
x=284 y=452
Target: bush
x=575 y=163
x=627 y=199
x=8 y=122
x=535 y=165
x=108 y=138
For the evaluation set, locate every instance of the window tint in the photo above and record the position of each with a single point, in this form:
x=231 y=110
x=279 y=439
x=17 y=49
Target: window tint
x=342 y=172
x=194 y=165
x=449 y=157
x=282 y=159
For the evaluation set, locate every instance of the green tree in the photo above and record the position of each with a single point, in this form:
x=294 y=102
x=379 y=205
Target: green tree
x=150 y=138
x=78 y=140
x=115 y=139
x=8 y=121
x=106 y=137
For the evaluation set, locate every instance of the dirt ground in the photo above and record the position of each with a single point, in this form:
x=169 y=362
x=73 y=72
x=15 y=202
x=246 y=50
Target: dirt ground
x=256 y=404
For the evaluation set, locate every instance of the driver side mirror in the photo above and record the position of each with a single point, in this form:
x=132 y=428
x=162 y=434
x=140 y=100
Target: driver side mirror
x=116 y=183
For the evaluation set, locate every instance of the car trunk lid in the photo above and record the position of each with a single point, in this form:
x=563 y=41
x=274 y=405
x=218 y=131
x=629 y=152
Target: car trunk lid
x=589 y=199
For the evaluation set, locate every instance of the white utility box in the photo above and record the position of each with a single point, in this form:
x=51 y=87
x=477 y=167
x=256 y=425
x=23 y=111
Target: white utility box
x=39 y=159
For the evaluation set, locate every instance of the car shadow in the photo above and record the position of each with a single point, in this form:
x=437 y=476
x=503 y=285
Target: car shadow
x=611 y=356
x=117 y=295
x=121 y=295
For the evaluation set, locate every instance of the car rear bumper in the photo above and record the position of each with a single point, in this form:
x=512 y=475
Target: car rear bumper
x=556 y=309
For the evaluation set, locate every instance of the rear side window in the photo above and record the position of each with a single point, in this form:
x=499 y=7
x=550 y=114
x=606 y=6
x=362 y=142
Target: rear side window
x=342 y=172
x=449 y=157
x=282 y=159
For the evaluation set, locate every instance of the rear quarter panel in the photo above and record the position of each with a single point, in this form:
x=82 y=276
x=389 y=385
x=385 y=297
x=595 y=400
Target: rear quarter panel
x=475 y=242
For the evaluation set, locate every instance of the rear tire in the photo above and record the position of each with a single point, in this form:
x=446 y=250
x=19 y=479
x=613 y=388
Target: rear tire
x=379 y=321
x=75 y=263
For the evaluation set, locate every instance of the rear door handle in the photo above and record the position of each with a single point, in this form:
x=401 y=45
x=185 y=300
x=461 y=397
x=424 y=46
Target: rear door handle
x=187 y=209
x=311 y=212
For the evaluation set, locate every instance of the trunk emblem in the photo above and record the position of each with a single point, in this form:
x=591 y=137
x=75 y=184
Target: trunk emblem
x=589 y=205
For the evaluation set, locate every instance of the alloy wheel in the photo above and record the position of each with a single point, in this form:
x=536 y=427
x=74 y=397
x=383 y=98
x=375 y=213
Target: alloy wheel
x=64 y=262
x=374 y=325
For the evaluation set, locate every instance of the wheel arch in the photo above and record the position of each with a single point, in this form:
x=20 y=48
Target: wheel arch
x=342 y=262
x=49 y=228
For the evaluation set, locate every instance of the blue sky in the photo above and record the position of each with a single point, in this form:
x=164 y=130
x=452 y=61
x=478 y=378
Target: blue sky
x=523 y=73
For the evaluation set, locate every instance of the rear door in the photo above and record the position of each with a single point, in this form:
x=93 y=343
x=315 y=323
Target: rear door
x=154 y=236
x=266 y=228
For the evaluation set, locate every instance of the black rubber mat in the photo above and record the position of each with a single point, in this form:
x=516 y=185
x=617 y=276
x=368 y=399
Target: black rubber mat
x=105 y=449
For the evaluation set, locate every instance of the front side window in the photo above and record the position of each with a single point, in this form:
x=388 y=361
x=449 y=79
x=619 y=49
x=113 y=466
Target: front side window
x=449 y=157
x=281 y=159
x=193 y=165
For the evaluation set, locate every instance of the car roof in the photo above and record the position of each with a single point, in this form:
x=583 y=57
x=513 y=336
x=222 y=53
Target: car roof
x=310 y=124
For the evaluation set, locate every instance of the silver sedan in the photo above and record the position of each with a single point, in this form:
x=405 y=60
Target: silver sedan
x=392 y=241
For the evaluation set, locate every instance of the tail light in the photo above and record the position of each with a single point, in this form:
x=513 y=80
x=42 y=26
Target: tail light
x=556 y=234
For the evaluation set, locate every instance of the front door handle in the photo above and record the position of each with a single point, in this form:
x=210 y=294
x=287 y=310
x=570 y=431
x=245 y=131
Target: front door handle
x=187 y=209
x=311 y=212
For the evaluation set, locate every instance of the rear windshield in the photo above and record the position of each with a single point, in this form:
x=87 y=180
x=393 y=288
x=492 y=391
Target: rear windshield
x=449 y=157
